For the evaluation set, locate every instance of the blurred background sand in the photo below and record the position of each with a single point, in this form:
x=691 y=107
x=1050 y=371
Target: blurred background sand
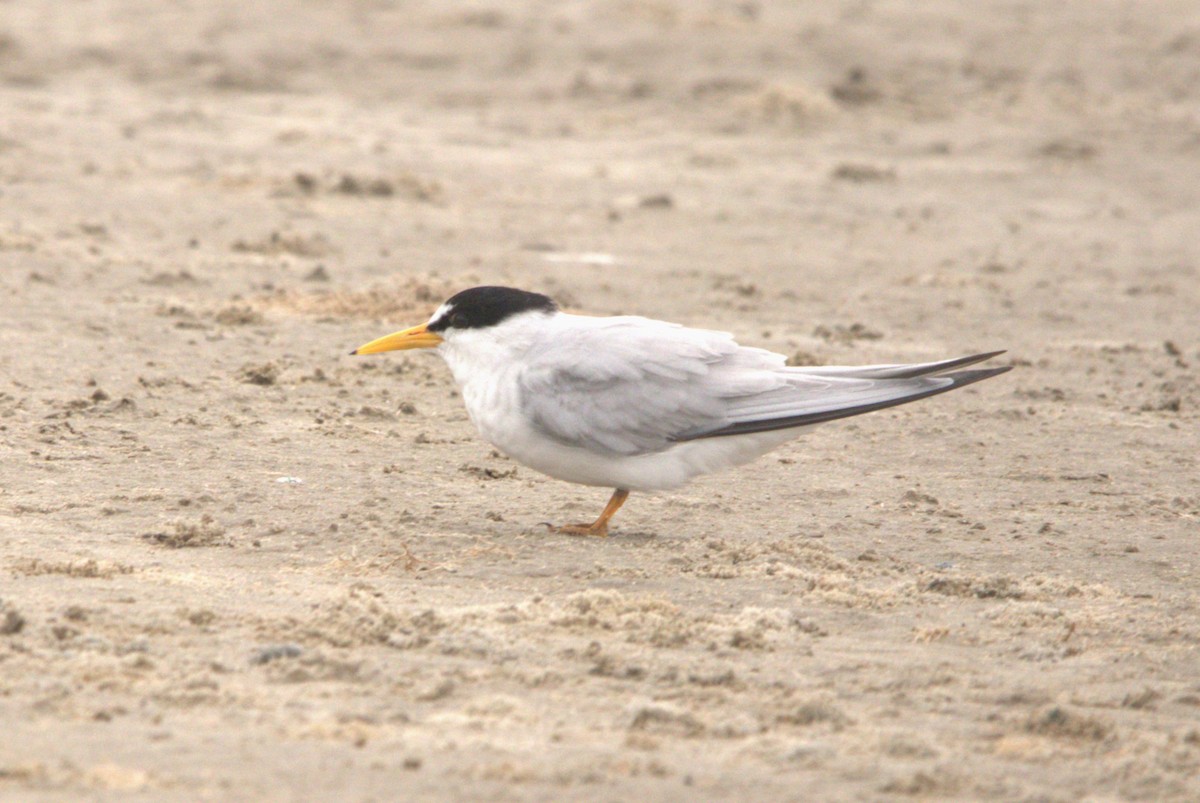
x=237 y=563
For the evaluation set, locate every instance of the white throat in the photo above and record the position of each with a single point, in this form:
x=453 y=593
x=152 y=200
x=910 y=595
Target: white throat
x=479 y=355
x=487 y=364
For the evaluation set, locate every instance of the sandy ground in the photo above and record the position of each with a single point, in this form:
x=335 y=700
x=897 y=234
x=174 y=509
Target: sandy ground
x=238 y=563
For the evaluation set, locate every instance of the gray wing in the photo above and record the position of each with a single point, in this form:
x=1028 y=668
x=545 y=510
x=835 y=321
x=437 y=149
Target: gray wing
x=628 y=385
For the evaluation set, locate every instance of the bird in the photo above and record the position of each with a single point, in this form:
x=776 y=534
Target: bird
x=637 y=404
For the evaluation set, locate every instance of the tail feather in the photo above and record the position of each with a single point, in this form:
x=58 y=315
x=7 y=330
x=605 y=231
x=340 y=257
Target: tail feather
x=898 y=371
x=922 y=390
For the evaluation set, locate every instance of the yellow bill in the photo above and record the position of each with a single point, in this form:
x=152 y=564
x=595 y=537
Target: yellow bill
x=416 y=337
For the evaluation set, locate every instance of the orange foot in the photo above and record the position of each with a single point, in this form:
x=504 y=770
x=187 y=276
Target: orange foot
x=596 y=528
x=599 y=527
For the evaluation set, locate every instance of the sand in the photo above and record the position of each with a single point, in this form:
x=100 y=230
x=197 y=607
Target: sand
x=237 y=563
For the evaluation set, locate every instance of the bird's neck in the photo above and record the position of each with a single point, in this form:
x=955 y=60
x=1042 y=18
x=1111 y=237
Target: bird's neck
x=488 y=370
x=482 y=357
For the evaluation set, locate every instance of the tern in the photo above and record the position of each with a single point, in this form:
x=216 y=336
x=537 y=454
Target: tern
x=637 y=404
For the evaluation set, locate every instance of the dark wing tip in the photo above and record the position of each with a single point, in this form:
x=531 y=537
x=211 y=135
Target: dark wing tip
x=967 y=377
x=957 y=379
x=939 y=369
x=987 y=355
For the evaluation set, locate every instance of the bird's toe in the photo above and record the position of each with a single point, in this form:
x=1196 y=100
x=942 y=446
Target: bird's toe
x=597 y=529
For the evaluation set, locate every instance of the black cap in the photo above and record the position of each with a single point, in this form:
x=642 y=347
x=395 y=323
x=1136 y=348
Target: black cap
x=481 y=307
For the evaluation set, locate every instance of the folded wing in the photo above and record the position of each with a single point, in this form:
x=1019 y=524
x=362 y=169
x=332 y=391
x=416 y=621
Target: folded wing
x=631 y=385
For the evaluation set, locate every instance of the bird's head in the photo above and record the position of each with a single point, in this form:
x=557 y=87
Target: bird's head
x=472 y=311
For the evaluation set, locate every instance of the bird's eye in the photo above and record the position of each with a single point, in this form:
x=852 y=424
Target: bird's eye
x=458 y=320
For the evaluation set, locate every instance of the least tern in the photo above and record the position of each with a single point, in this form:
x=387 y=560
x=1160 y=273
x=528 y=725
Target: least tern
x=636 y=404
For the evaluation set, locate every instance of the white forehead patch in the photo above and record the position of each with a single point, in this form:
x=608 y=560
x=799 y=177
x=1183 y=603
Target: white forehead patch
x=440 y=312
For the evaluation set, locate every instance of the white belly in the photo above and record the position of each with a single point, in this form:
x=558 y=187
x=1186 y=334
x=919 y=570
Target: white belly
x=492 y=397
x=504 y=427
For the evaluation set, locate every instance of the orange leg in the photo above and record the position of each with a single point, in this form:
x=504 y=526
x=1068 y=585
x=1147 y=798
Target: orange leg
x=600 y=526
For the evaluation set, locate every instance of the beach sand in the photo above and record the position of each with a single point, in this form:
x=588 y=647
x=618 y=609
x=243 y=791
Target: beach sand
x=238 y=563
